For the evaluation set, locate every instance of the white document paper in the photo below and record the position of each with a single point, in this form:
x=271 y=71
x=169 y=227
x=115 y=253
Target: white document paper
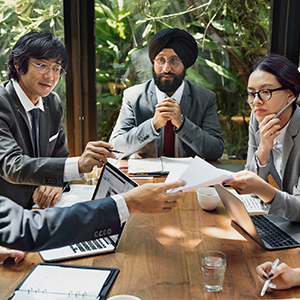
x=78 y=193
x=252 y=204
x=199 y=174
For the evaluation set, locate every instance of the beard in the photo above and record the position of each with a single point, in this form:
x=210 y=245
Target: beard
x=168 y=86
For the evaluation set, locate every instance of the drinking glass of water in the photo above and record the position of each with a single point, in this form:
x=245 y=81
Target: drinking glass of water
x=213 y=268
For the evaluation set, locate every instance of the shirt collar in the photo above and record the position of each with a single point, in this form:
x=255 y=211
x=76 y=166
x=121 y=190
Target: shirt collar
x=176 y=96
x=26 y=102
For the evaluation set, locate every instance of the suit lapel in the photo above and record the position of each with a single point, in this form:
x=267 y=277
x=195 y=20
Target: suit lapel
x=152 y=104
x=288 y=142
x=10 y=89
x=185 y=98
x=152 y=97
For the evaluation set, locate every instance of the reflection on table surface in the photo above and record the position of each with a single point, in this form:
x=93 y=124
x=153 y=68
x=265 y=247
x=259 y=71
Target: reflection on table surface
x=159 y=257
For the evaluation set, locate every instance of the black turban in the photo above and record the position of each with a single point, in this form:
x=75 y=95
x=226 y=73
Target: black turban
x=179 y=40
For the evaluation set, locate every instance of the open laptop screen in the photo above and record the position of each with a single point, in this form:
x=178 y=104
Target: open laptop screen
x=111 y=182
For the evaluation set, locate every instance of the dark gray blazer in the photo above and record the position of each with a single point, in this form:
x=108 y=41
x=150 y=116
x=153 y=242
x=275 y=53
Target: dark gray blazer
x=287 y=200
x=35 y=230
x=200 y=134
x=20 y=172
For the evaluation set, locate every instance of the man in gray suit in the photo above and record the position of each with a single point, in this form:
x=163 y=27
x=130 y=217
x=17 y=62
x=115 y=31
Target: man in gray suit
x=33 y=156
x=169 y=115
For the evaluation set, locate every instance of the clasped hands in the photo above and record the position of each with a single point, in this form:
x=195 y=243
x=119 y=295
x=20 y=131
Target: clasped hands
x=167 y=110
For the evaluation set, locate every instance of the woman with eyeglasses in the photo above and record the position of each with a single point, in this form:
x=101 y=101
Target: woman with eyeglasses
x=274 y=140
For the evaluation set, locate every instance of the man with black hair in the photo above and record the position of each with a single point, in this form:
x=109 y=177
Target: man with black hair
x=34 y=163
x=168 y=115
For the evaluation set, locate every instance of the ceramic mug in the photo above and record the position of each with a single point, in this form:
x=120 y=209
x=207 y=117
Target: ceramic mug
x=208 y=198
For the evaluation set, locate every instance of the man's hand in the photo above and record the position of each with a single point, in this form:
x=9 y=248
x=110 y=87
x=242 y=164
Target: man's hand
x=94 y=154
x=153 y=198
x=283 y=277
x=159 y=120
x=46 y=195
x=16 y=254
x=169 y=109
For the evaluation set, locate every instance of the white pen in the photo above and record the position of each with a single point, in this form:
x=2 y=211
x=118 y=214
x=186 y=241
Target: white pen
x=265 y=287
x=290 y=103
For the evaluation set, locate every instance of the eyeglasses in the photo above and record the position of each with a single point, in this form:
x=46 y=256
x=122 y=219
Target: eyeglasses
x=263 y=94
x=45 y=68
x=174 y=62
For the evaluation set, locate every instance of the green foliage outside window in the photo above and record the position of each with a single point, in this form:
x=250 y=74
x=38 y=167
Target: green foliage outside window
x=231 y=35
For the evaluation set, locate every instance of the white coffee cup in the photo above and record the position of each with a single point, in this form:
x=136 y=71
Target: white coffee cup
x=123 y=297
x=208 y=198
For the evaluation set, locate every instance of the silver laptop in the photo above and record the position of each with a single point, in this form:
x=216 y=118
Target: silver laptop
x=272 y=232
x=112 y=181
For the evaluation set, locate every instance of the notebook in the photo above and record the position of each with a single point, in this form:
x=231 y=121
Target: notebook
x=272 y=232
x=58 y=281
x=112 y=181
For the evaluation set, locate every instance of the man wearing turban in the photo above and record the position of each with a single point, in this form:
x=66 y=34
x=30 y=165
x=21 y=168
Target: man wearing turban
x=168 y=115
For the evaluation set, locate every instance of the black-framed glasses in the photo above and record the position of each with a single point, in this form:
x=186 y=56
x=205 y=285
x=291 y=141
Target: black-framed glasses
x=45 y=68
x=174 y=61
x=263 y=94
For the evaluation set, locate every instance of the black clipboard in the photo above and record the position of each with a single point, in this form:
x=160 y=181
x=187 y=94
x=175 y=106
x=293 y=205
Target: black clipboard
x=102 y=293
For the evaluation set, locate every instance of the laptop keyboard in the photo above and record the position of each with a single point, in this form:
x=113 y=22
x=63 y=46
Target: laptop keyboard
x=88 y=246
x=272 y=234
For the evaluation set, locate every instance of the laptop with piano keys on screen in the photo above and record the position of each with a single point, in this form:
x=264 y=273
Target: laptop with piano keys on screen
x=111 y=182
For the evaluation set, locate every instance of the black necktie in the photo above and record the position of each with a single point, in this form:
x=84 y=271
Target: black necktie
x=35 y=113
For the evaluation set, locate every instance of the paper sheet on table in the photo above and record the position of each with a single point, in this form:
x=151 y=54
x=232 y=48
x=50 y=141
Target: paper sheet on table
x=160 y=165
x=77 y=193
x=199 y=174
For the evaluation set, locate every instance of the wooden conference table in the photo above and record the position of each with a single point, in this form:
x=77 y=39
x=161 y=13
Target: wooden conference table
x=159 y=257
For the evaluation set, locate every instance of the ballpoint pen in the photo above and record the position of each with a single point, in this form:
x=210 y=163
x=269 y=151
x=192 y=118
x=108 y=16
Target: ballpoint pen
x=265 y=287
x=115 y=151
x=290 y=103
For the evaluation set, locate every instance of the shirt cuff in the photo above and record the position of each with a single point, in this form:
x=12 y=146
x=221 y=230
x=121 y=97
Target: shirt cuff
x=71 y=169
x=122 y=208
x=258 y=163
x=155 y=133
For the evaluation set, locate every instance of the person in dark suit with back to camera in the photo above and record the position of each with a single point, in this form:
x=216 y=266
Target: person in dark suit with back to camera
x=168 y=115
x=35 y=230
x=34 y=163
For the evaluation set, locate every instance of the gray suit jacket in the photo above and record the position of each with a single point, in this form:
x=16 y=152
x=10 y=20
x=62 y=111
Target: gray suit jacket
x=200 y=134
x=287 y=201
x=35 y=230
x=20 y=171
